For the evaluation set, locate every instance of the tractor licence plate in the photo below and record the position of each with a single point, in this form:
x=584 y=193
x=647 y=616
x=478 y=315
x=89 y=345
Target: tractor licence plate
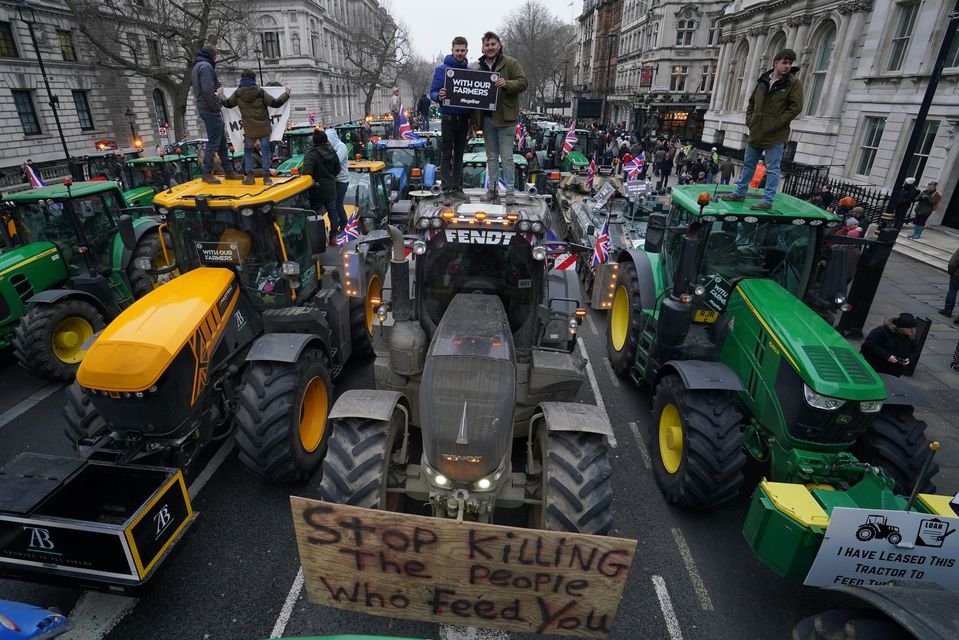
x=705 y=315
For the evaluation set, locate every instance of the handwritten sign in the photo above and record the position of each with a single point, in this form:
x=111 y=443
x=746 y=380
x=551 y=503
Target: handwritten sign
x=448 y=572
x=233 y=121
x=471 y=89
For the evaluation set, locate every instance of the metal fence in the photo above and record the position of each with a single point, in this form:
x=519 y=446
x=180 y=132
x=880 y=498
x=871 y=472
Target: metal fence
x=13 y=181
x=805 y=181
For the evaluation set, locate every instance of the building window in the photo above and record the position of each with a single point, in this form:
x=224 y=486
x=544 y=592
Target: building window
x=8 y=47
x=27 y=112
x=65 y=40
x=677 y=80
x=314 y=44
x=684 y=32
x=159 y=105
x=871 y=137
x=83 y=110
x=713 y=37
x=270 y=42
x=918 y=163
x=952 y=58
x=827 y=40
x=905 y=21
x=736 y=75
x=708 y=79
x=153 y=50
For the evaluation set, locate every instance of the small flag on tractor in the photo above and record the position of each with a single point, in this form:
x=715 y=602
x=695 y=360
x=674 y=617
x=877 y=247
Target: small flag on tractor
x=35 y=180
x=570 y=142
x=351 y=231
x=634 y=166
x=592 y=172
x=405 y=130
x=602 y=246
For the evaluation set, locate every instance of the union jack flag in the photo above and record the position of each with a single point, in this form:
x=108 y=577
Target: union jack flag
x=520 y=135
x=351 y=231
x=500 y=183
x=634 y=166
x=592 y=172
x=35 y=180
x=405 y=130
x=570 y=142
x=602 y=246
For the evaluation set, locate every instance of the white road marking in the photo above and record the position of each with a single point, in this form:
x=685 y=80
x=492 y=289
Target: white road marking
x=455 y=632
x=597 y=394
x=698 y=585
x=592 y=326
x=96 y=614
x=641 y=444
x=612 y=374
x=287 y=611
x=672 y=623
x=29 y=402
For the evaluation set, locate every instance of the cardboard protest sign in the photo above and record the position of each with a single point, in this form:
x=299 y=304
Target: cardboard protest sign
x=471 y=89
x=604 y=194
x=233 y=122
x=464 y=573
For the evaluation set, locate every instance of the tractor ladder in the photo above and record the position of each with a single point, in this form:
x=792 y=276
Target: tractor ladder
x=646 y=339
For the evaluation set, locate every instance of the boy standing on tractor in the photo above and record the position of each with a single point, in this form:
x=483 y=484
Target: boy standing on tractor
x=455 y=122
x=253 y=102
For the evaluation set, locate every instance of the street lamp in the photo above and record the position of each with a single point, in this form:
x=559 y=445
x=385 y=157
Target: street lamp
x=565 y=81
x=259 y=70
x=610 y=37
x=23 y=10
x=131 y=118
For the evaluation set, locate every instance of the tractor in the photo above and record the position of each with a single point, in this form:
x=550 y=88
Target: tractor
x=476 y=379
x=247 y=339
x=144 y=177
x=298 y=141
x=69 y=272
x=355 y=137
x=108 y=164
x=524 y=165
x=576 y=161
x=876 y=527
x=369 y=192
x=409 y=162
x=710 y=315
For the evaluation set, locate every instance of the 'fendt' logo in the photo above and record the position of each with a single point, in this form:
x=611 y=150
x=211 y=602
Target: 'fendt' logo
x=479 y=236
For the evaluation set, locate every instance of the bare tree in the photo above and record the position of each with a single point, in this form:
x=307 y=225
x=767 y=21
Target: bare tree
x=376 y=46
x=161 y=42
x=417 y=72
x=542 y=43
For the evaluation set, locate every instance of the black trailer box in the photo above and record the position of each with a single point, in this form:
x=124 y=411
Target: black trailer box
x=89 y=524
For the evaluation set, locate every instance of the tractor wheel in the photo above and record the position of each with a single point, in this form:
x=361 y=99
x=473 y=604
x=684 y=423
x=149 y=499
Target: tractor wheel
x=149 y=247
x=697 y=445
x=849 y=624
x=865 y=534
x=896 y=442
x=624 y=321
x=357 y=467
x=281 y=421
x=575 y=489
x=50 y=337
x=82 y=418
x=363 y=317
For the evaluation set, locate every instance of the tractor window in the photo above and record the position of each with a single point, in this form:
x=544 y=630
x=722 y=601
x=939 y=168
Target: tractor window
x=679 y=219
x=382 y=198
x=299 y=144
x=405 y=158
x=99 y=226
x=47 y=220
x=474 y=176
x=147 y=175
x=292 y=224
x=358 y=193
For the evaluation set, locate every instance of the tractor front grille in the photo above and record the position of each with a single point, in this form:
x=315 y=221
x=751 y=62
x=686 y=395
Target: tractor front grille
x=830 y=427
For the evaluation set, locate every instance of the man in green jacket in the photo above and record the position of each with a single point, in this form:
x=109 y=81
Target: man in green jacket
x=775 y=102
x=253 y=102
x=499 y=127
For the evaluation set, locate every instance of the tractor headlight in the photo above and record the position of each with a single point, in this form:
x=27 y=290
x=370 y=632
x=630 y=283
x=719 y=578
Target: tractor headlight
x=483 y=484
x=291 y=268
x=537 y=227
x=839 y=300
x=819 y=401
x=246 y=211
x=437 y=223
x=143 y=263
x=539 y=253
x=699 y=291
x=423 y=223
x=523 y=226
x=870 y=406
x=440 y=480
x=573 y=326
x=419 y=247
x=163 y=211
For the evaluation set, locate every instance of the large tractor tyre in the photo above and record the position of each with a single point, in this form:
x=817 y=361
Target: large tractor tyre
x=363 y=318
x=50 y=337
x=624 y=323
x=149 y=246
x=282 y=416
x=83 y=421
x=575 y=488
x=849 y=624
x=697 y=445
x=896 y=441
x=358 y=468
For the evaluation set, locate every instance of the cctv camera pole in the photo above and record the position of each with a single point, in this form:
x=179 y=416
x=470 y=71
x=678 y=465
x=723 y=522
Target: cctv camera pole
x=874 y=258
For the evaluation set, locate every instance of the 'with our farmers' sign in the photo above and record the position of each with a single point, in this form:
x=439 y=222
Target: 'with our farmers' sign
x=463 y=573
x=471 y=89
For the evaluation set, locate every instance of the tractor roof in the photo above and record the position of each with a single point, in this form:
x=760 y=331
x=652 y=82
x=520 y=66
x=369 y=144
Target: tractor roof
x=167 y=157
x=232 y=193
x=61 y=192
x=303 y=131
x=399 y=144
x=474 y=158
x=105 y=153
x=784 y=205
x=348 y=125
x=366 y=166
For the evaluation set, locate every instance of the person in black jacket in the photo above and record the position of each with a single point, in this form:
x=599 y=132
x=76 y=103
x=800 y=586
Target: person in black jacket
x=891 y=347
x=322 y=163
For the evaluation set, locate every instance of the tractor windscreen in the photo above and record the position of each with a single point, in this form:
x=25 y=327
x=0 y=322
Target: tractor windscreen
x=405 y=158
x=44 y=220
x=474 y=176
x=362 y=189
x=300 y=144
x=147 y=175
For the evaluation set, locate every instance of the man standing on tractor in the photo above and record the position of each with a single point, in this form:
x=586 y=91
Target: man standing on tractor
x=455 y=123
x=205 y=85
x=499 y=127
x=776 y=101
x=396 y=105
x=322 y=164
x=343 y=177
x=253 y=102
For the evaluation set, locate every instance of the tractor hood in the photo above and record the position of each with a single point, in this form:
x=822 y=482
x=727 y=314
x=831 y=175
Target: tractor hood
x=293 y=162
x=821 y=357
x=10 y=259
x=469 y=390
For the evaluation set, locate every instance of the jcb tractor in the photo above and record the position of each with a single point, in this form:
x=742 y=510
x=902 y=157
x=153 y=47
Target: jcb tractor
x=476 y=377
x=710 y=315
x=67 y=272
x=249 y=337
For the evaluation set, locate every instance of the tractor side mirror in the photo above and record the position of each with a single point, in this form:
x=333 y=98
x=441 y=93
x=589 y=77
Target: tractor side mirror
x=316 y=234
x=655 y=232
x=590 y=229
x=127 y=235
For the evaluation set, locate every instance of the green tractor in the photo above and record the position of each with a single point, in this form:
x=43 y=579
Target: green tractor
x=68 y=272
x=145 y=177
x=576 y=161
x=475 y=157
x=298 y=142
x=108 y=164
x=710 y=315
x=356 y=139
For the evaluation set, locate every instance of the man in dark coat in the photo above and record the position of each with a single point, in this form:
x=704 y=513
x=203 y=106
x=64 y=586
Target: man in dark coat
x=455 y=123
x=253 y=102
x=891 y=347
x=423 y=106
x=907 y=195
x=205 y=85
x=322 y=163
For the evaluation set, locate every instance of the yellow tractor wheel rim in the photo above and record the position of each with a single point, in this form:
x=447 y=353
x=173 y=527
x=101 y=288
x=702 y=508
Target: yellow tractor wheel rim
x=373 y=290
x=619 y=318
x=670 y=438
x=316 y=405
x=68 y=339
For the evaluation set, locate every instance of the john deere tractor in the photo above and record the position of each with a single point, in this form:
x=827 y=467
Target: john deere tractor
x=476 y=369
x=146 y=176
x=68 y=272
x=298 y=141
x=248 y=338
x=710 y=315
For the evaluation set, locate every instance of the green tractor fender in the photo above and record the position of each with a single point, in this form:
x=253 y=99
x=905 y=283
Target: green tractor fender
x=573 y=417
x=285 y=347
x=646 y=278
x=370 y=404
x=902 y=393
x=107 y=308
x=701 y=374
x=122 y=255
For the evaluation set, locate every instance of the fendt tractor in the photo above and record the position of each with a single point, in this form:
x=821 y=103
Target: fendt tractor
x=264 y=315
x=68 y=272
x=475 y=369
x=710 y=315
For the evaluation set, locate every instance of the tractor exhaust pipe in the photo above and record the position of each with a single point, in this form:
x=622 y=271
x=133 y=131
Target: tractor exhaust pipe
x=400 y=277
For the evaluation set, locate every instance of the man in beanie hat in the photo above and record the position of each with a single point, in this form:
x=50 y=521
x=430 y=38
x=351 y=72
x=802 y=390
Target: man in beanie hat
x=907 y=195
x=253 y=102
x=891 y=347
x=205 y=85
x=322 y=163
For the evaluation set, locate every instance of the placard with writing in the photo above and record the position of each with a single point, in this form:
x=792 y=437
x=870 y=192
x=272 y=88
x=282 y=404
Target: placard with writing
x=462 y=573
x=471 y=89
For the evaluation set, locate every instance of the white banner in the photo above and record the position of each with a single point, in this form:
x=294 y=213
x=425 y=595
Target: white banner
x=870 y=547
x=233 y=122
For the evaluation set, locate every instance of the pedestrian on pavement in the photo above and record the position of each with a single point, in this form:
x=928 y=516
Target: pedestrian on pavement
x=396 y=105
x=253 y=102
x=343 y=177
x=907 y=195
x=927 y=202
x=205 y=85
x=455 y=123
x=423 y=106
x=953 y=270
x=890 y=348
x=499 y=127
x=826 y=195
x=725 y=171
x=322 y=163
x=775 y=102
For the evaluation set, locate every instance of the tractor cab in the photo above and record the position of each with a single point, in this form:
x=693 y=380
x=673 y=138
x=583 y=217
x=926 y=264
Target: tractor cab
x=368 y=193
x=474 y=165
x=297 y=142
x=108 y=164
x=149 y=175
x=381 y=129
x=355 y=137
x=407 y=162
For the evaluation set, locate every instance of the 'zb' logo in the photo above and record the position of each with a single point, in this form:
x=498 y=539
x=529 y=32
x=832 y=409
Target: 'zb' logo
x=40 y=538
x=162 y=519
